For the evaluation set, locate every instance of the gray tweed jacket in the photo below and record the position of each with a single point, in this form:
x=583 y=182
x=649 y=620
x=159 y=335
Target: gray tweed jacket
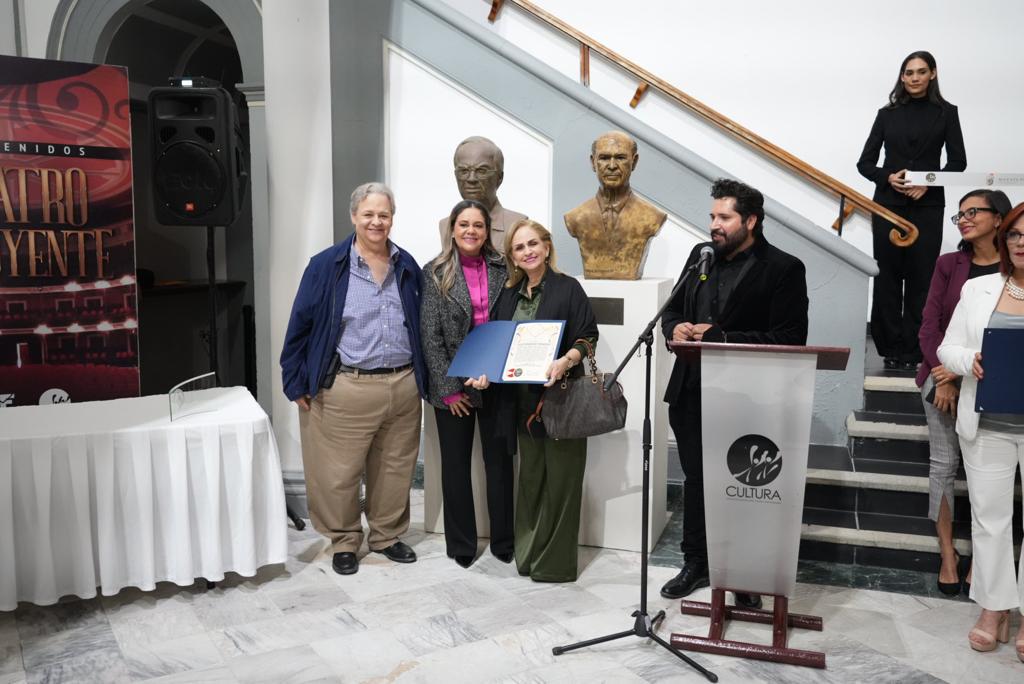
x=445 y=322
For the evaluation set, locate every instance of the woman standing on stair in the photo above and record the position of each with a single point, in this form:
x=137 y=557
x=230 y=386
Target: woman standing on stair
x=981 y=212
x=913 y=128
x=992 y=443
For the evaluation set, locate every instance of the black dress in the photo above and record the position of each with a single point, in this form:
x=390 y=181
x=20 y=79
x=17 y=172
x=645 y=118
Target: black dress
x=912 y=135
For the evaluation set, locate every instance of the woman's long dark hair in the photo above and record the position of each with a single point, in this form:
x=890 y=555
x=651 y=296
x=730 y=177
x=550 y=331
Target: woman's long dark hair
x=445 y=265
x=899 y=95
x=995 y=199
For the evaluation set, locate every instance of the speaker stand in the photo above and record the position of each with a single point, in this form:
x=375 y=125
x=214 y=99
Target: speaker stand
x=211 y=279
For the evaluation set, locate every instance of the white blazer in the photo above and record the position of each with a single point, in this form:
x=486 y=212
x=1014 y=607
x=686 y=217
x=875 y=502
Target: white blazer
x=978 y=300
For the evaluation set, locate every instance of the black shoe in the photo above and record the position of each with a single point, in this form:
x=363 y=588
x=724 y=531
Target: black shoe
x=399 y=552
x=464 y=561
x=892 y=363
x=748 y=600
x=693 y=576
x=345 y=563
x=505 y=557
x=909 y=366
x=951 y=588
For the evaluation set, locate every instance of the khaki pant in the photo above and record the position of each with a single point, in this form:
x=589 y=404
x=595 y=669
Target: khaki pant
x=364 y=424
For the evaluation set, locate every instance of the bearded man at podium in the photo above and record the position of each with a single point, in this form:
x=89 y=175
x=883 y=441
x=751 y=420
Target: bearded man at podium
x=754 y=293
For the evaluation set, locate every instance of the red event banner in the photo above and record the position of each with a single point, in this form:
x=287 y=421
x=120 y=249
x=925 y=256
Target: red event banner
x=68 y=312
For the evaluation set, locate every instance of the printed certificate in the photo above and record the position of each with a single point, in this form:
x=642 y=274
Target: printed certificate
x=509 y=351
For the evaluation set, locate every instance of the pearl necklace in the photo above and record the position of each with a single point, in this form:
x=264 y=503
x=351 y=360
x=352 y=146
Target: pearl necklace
x=1014 y=290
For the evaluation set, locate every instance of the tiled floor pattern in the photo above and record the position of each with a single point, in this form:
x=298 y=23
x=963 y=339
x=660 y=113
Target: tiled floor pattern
x=435 y=622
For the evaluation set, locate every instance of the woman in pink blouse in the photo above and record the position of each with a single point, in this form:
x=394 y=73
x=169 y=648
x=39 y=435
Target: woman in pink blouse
x=460 y=288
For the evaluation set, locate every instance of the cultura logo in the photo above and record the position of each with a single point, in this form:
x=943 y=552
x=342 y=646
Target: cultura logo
x=754 y=460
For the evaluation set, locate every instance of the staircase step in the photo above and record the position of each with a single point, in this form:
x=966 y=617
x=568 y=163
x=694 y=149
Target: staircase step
x=878 y=481
x=883 y=383
x=877 y=429
x=878 y=539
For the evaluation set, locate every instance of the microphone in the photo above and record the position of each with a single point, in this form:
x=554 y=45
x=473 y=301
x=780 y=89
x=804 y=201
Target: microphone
x=707 y=258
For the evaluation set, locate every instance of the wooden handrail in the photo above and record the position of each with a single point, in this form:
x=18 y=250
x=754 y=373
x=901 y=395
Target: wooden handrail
x=904 y=235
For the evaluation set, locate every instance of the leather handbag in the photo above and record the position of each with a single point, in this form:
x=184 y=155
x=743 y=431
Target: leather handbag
x=581 y=407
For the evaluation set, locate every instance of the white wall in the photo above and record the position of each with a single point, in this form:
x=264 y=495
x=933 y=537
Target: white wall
x=296 y=44
x=37 y=16
x=806 y=76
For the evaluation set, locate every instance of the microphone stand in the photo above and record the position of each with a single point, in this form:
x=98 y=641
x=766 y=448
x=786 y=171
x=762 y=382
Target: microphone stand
x=644 y=625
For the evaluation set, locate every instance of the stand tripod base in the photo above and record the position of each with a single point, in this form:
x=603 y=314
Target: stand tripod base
x=643 y=627
x=780 y=618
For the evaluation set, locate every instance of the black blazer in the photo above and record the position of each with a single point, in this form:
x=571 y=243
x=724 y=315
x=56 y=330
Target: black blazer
x=563 y=300
x=444 y=324
x=892 y=130
x=768 y=306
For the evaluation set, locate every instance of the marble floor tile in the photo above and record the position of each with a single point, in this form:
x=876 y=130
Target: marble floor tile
x=44 y=651
x=287 y=666
x=286 y=632
x=157 y=626
x=374 y=655
x=502 y=617
x=220 y=607
x=435 y=633
x=562 y=603
x=93 y=666
x=317 y=593
x=18 y=677
x=403 y=606
x=34 y=621
x=148 y=659
x=216 y=675
x=10 y=655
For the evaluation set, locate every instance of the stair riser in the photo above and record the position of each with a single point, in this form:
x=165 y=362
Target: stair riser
x=893 y=402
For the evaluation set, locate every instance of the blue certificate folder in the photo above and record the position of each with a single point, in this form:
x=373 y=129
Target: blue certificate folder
x=1002 y=388
x=486 y=348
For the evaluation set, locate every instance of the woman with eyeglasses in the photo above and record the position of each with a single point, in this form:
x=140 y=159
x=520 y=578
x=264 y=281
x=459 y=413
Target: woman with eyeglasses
x=992 y=443
x=912 y=129
x=981 y=212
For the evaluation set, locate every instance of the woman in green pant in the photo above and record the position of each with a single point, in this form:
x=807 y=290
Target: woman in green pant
x=547 y=514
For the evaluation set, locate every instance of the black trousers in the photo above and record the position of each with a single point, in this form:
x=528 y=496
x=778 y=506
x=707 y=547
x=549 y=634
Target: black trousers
x=684 y=418
x=901 y=286
x=455 y=435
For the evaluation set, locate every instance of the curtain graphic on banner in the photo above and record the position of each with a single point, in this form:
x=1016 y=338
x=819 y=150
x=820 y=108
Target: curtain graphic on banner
x=68 y=315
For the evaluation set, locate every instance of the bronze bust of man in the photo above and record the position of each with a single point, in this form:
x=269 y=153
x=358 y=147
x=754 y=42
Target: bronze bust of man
x=615 y=227
x=479 y=170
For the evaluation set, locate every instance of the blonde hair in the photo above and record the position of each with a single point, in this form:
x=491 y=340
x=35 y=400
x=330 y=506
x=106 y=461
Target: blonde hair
x=516 y=274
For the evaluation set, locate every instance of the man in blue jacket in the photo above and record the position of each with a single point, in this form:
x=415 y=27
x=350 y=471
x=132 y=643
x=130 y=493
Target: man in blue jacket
x=353 y=364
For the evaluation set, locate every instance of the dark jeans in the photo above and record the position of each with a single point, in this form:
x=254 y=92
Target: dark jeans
x=901 y=286
x=455 y=435
x=684 y=418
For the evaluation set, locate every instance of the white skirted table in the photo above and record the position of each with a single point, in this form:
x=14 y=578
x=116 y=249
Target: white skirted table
x=112 y=494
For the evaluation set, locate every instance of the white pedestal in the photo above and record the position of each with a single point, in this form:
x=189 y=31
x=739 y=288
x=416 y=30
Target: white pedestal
x=611 y=512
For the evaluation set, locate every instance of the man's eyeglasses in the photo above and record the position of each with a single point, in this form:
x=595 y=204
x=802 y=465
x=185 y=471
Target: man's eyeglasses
x=1013 y=236
x=464 y=172
x=969 y=214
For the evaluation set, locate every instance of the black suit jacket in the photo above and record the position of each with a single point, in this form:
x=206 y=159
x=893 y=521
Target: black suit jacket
x=892 y=130
x=768 y=306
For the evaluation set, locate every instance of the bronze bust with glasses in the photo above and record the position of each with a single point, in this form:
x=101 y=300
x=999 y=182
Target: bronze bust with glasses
x=615 y=227
x=479 y=170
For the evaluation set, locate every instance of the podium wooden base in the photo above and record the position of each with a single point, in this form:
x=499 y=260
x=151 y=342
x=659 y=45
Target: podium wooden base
x=780 y=619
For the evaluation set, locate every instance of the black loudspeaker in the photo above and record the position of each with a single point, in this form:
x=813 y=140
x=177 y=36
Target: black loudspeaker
x=198 y=165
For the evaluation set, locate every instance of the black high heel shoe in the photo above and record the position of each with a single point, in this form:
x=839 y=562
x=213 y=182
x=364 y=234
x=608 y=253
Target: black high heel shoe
x=951 y=588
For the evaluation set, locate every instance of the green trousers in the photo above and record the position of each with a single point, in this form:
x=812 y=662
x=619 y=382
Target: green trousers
x=547 y=516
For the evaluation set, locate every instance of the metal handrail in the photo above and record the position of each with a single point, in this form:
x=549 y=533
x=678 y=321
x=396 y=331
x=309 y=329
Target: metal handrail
x=903 y=234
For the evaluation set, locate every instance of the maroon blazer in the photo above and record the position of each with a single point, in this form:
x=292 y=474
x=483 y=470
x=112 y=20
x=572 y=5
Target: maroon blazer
x=951 y=271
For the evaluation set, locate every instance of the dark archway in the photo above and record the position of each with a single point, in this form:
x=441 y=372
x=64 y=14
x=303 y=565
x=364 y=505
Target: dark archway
x=156 y=39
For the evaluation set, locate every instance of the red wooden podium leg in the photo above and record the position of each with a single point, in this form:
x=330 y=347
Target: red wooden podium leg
x=780 y=618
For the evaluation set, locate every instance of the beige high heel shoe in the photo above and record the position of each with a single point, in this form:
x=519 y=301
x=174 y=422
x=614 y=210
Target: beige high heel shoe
x=981 y=640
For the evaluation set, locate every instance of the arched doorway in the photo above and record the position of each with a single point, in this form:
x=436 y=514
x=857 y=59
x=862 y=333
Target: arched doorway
x=156 y=39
